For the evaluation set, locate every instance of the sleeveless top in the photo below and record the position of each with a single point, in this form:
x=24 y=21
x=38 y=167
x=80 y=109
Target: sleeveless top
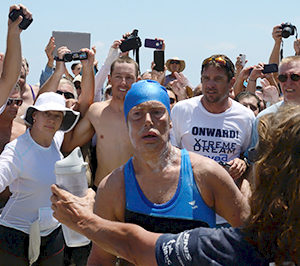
x=186 y=209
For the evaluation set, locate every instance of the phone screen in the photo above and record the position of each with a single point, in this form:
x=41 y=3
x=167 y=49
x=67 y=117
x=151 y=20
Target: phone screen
x=159 y=60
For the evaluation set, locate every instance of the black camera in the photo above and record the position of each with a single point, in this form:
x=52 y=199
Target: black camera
x=287 y=30
x=132 y=42
x=75 y=56
x=15 y=13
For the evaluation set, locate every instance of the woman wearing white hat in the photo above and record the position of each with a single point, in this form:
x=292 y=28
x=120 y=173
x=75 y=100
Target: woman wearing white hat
x=28 y=231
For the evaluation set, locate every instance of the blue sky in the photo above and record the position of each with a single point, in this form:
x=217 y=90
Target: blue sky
x=193 y=30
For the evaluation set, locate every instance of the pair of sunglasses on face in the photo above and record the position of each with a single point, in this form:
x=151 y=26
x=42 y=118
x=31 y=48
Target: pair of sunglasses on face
x=284 y=77
x=16 y=101
x=174 y=62
x=67 y=95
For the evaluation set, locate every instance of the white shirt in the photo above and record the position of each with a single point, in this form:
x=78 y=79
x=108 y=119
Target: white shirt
x=28 y=169
x=221 y=137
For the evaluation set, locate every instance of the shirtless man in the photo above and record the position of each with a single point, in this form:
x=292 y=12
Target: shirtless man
x=107 y=120
x=162 y=188
x=12 y=59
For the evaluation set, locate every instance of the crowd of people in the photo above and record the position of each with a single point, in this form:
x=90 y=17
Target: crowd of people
x=203 y=174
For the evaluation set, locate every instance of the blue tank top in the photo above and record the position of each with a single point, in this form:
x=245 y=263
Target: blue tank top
x=186 y=209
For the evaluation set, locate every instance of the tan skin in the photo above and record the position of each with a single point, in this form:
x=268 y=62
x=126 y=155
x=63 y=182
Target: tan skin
x=251 y=103
x=155 y=162
x=290 y=88
x=215 y=89
x=9 y=130
x=107 y=120
x=45 y=125
x=12 y=60
x=26 y=93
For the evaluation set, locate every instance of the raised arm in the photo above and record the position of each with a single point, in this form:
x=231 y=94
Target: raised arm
x=275 y=54
x=52 y=83
x=47 y=72
x=86 y=96
x=127 y=241
x=254 y=75
x=13 y=57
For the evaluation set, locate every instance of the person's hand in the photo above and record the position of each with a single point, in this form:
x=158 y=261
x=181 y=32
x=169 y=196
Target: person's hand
x=182 y=79
x=237 y=168
x=14 y=25
x=69 y=209
x=245 y=72
x=297 y=46
x=178 y=89
x=116 y=44
x=269 y=92
x=256 y=72
x=60 y=65
x=158 y=75
x=238 y=65
x=276 y=33
x=163 y=44
x=49 y=51
x=89 y=62
x=95 y=60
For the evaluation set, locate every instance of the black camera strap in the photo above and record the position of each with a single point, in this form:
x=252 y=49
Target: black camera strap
x=56 y=58
x=136 y=52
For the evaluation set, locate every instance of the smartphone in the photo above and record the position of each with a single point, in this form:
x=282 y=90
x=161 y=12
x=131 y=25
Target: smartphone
x=270 y=68
x=243 y=59
x=150 y=43
x=224 y=164
x=159 y=60
x=15 y=13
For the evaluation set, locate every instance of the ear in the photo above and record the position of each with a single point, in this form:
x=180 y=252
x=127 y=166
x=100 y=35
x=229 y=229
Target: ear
x=231 y=82
x=109 y=78
x=34 y=114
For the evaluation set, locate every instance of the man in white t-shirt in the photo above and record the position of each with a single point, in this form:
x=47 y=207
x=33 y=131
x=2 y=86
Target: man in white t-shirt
x=213 y=124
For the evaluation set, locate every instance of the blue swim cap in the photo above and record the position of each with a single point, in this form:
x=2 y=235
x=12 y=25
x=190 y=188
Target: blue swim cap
x=144 y=91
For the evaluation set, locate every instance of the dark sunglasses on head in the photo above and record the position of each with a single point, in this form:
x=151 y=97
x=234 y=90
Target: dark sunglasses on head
x=174 y=62
x=284 y=77
x=16 y=101
x=67 y=95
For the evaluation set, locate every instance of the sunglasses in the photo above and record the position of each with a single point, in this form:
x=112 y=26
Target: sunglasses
x=67 y=95
x=172 y=100
x=218 y=59
x=16 y=101
x=175 y=62
x=284 y=77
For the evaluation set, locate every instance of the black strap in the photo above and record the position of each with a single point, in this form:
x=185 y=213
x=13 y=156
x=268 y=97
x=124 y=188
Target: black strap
x=56 y=58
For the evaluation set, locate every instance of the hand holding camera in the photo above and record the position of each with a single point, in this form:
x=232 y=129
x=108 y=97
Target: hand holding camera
x=288 y=29
x=69 y=57
x=130 y=42
x=21 y=15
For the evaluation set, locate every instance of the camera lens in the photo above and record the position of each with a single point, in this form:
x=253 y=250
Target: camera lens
x=286 y=32
x=68 y=57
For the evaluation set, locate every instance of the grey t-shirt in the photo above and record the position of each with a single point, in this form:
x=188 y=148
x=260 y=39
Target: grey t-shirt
x=207 y=246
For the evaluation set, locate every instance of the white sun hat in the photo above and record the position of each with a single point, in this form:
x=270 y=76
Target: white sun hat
x=51 y=101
